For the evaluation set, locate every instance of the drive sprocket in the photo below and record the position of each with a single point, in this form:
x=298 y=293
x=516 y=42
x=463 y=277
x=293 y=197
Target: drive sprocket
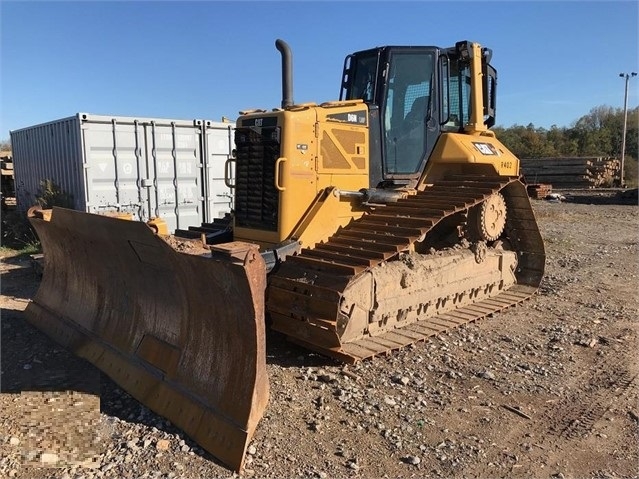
x=486 y=221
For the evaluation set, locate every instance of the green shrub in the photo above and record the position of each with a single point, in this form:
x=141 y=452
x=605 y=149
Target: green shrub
x=50 y=195
x=631 y=172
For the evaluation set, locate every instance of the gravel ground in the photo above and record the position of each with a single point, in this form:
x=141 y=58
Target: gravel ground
x=545 y=389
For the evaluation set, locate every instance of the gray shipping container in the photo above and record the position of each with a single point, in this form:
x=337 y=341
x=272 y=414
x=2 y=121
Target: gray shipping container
x=151 y=167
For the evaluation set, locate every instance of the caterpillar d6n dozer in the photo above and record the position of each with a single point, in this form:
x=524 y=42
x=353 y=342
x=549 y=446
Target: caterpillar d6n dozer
x=360 y=226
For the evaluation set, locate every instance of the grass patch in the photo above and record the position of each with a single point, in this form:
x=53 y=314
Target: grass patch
x=18 y=236
x=7 y=252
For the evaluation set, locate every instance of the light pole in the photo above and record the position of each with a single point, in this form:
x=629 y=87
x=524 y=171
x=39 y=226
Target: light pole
x=627 y=76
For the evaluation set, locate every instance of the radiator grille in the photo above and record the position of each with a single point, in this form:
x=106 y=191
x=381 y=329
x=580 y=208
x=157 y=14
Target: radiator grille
x=256 y=199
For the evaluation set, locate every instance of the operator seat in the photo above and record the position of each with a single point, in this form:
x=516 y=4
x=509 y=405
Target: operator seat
x=417 y=111
x=410 y=143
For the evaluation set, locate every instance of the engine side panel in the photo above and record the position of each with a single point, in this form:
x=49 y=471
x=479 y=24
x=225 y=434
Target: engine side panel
x=286 y=161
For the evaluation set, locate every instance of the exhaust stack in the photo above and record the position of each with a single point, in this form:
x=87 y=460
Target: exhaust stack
x=287 y=72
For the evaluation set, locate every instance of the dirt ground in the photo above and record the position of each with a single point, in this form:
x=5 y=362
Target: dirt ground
x=546 y=389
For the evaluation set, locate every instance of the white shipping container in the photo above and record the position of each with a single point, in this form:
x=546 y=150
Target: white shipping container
x=151 y=167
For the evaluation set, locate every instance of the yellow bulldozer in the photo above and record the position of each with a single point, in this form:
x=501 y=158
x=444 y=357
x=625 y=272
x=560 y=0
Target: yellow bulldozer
x=360 y=226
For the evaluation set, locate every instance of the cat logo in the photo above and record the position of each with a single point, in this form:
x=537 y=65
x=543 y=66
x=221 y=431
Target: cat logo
x=485 y=148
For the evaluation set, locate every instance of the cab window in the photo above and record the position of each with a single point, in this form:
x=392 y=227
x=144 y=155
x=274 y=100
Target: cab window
x=406 y=110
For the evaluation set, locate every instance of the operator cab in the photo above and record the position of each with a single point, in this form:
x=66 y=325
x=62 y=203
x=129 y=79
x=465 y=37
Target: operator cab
x=419 y=93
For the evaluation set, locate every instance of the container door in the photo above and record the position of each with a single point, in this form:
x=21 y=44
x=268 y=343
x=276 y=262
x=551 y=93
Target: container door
x=218 y=143
x=114 y=165
x=175 y=164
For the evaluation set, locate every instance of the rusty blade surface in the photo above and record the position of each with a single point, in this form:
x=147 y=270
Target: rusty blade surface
x=182 y=333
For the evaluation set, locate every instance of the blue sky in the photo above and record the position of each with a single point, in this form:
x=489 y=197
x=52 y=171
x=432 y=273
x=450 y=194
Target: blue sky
x=555 y=60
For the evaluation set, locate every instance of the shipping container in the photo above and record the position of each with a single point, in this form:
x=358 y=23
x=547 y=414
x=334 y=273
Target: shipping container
x=151 y=167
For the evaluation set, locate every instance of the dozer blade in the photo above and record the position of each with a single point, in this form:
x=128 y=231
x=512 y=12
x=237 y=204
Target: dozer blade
x=182 y=332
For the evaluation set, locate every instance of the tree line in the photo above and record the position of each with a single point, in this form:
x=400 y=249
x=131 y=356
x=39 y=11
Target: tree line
x=599 y=133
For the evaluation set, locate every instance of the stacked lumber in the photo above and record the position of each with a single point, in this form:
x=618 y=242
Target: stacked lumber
x=7 y=185
x=6 y=164
x=538 y=191
x=572 y=172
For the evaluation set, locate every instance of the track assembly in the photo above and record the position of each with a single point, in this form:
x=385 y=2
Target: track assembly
x=344 y=299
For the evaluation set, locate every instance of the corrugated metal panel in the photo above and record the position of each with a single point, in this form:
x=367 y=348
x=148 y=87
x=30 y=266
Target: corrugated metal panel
x=48 y=151
x=147 y=166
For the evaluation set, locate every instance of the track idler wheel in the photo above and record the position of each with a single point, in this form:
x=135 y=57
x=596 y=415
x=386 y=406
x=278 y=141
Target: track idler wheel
x=486 y=221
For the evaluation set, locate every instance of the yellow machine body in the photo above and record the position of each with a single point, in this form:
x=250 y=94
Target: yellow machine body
x=318 y=152
x=459 y=153
x=321 y=157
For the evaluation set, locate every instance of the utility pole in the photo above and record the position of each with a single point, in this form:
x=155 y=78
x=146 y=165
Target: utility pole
x=627 y=76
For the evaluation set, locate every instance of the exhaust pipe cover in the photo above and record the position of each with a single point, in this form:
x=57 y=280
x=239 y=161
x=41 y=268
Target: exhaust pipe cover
x=287 y=72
